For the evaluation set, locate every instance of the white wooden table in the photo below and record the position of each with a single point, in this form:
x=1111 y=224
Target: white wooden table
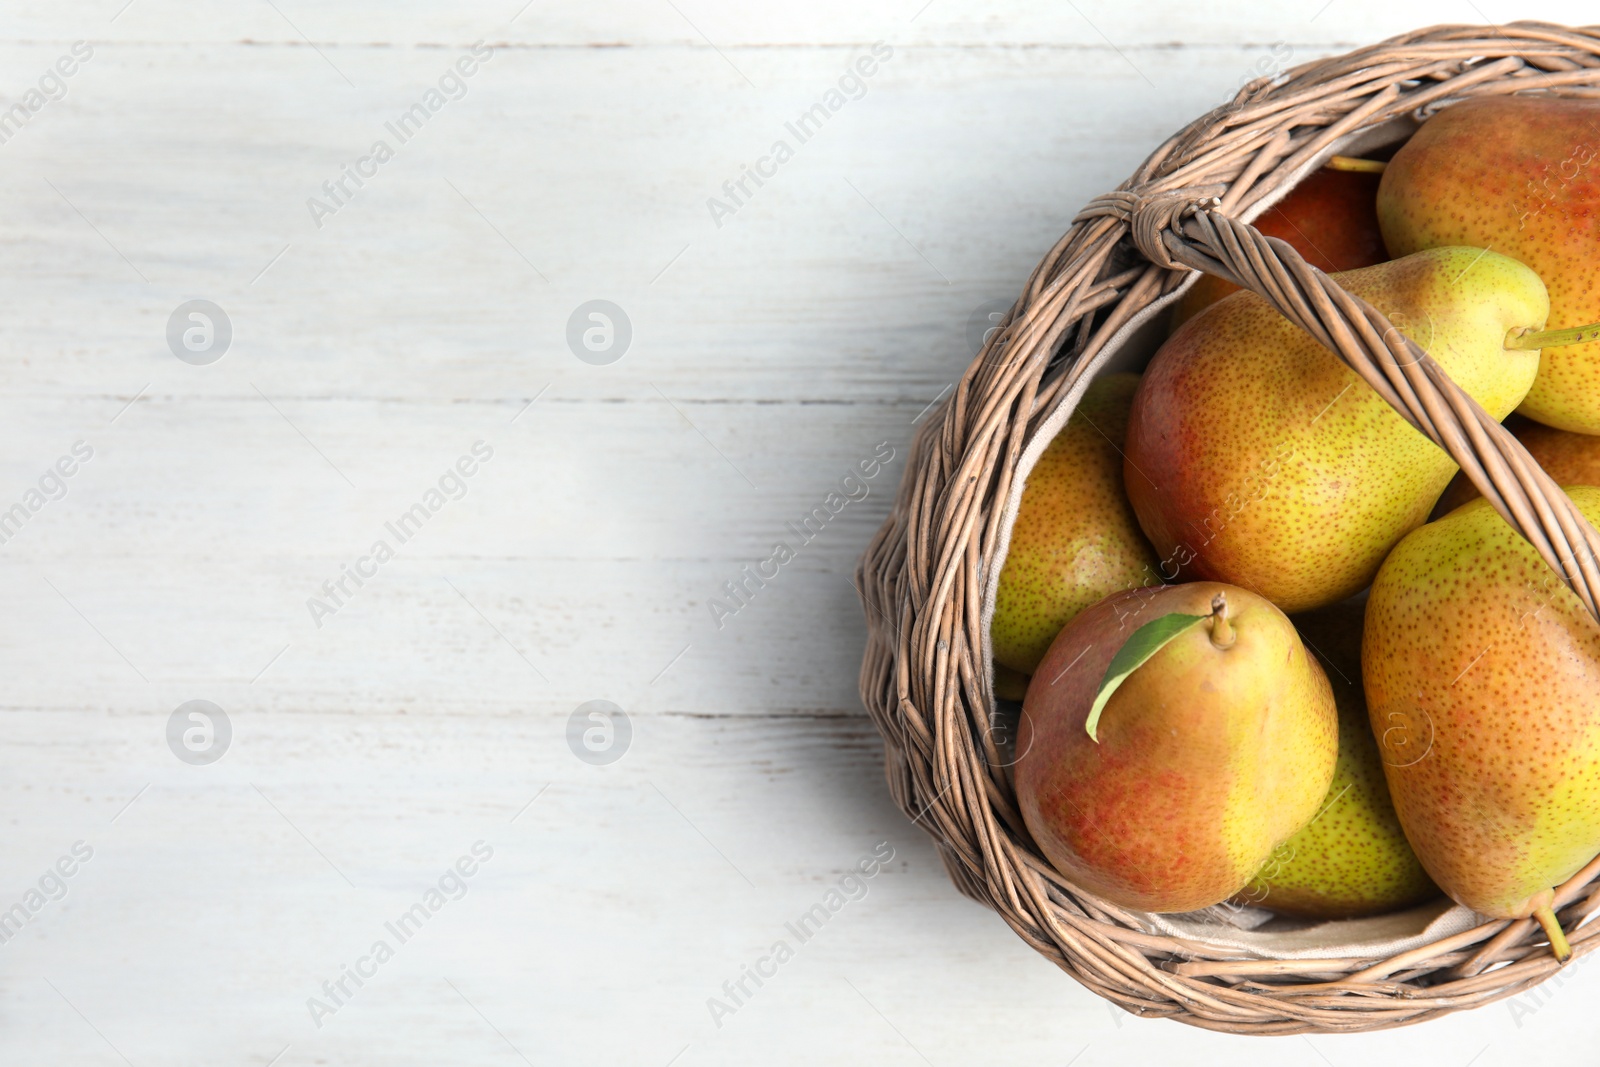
x=376 y=739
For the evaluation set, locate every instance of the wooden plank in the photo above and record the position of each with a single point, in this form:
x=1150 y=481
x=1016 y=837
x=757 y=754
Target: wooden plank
x=770 y=355
x=725 y=24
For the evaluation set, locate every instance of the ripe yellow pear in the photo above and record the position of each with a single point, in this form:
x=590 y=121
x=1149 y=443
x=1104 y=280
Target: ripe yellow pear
x=1482 y=675
x=1075 y=539
x=1256 y=457
x=1352 y=859
x=1521 y=175
x=1209 y=754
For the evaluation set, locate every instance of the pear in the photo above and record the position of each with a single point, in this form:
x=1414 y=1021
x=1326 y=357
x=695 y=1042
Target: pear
x=1352 y=859
x=1256 y=457
x=1482 y=673
x=1330 y=218
x=1518 y=174
x=1075 y=538
x=1209 y=754
x=1568 y=458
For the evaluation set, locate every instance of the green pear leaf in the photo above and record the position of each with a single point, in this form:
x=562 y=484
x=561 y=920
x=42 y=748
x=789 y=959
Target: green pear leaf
x=1146 y=641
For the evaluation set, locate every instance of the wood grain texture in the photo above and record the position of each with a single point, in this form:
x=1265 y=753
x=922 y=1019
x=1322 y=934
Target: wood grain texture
x=769 y=356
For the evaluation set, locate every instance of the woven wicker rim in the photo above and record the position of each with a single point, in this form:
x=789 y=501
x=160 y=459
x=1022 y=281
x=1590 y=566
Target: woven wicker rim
x=922 y=580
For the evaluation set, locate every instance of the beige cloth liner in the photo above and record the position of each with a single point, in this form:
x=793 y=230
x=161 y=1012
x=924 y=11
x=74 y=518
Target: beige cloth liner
x=1251 y=932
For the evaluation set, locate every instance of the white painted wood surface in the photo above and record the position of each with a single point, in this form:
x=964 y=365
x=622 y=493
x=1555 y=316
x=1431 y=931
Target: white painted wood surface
x=769 y=356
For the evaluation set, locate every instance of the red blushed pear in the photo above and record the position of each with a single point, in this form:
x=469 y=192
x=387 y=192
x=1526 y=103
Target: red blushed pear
x=1256 y=457
x=1213 y=749
x=1482 y=674
x=1330 y=218
x=1520 y=175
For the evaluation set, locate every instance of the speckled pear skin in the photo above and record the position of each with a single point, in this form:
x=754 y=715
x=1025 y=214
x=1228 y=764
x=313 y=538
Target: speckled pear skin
x=1075 y=539
x=1208 y=757
x=1352 y=859
x=1482 y=675
x=1522 y=176
x=1568 y=458
x=1256 y=457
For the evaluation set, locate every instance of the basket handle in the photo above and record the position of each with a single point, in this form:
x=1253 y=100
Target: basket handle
x=1180 y=230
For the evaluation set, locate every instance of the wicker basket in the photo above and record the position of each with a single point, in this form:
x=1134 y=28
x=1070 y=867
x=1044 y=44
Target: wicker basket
x=926 y=678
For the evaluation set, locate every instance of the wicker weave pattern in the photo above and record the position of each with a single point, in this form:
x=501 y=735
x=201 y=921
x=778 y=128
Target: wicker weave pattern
x=923 y=577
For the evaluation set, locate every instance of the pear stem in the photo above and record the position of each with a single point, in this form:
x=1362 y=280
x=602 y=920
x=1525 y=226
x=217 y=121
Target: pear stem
x=1222 y=634
x=1552 y=930
x=1360 y=166
x=1526 y=339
